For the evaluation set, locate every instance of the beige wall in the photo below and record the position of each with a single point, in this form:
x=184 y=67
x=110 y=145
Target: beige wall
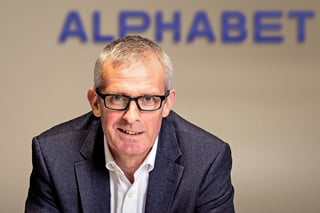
x=261 y=98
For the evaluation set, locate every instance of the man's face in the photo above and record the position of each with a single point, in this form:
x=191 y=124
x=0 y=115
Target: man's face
x=131 y=132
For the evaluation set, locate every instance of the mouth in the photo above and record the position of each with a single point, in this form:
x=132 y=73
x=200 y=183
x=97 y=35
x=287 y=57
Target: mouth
x=129 y=132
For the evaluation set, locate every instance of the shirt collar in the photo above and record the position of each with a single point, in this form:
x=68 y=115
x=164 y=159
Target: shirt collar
x=148 y=162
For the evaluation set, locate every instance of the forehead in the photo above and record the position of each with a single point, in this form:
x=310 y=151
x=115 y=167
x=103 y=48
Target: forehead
x=134 y=78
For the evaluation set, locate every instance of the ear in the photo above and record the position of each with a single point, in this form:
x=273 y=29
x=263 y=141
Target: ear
x=93 y=101
x=169 y=103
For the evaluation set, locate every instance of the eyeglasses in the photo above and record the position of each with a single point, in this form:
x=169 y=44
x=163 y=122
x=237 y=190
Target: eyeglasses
x=122 y=102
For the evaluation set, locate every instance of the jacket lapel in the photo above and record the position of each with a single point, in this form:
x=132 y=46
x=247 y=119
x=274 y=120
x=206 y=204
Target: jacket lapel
x=92 y=176
x=166 y=175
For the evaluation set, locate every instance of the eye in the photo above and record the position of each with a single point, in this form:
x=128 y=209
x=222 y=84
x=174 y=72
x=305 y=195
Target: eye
x=116 y=99
x=148 y=99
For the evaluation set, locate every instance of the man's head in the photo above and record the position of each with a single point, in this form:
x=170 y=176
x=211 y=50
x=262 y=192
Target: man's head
x=129 y=68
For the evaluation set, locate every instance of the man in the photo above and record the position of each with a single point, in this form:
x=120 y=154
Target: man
x=132 y=153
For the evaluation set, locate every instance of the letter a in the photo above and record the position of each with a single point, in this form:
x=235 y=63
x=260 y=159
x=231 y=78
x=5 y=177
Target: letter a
x=73 y=27
x=201 y=20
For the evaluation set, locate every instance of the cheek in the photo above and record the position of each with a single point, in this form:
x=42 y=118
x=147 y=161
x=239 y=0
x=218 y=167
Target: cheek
x=107 y=121
x=154 y=123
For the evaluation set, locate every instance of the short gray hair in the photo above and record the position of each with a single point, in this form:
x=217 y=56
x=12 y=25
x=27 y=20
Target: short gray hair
x=124 y=52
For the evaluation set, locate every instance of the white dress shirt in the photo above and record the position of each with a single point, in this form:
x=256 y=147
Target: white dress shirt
x=127 y=197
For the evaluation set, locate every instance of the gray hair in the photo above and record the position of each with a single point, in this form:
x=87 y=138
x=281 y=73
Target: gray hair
x=124 y=52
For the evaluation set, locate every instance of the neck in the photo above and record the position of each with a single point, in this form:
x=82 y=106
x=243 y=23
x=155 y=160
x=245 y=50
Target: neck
x=129 y=165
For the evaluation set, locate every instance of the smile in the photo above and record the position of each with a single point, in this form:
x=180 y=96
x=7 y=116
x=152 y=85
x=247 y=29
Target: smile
x=129 y=132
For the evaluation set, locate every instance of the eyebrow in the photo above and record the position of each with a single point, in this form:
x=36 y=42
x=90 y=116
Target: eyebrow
x=149 y=93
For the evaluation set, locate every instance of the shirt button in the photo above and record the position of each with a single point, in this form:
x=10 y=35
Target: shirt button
x=148 y=167
x=130 y=194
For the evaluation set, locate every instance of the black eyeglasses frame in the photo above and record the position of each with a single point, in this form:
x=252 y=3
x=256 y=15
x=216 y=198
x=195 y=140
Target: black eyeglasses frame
x=135 y=99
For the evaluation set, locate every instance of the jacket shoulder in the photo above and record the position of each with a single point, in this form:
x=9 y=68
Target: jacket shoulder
x=185 y=127
x=194 y=140
x=85 y=122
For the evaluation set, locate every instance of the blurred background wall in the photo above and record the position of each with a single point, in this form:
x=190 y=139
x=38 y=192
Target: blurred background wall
x=262 y=98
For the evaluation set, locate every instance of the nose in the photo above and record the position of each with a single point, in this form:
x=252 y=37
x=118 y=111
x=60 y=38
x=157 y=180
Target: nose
x=132 y=112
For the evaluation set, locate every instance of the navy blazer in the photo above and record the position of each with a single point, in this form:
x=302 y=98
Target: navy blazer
x=191 y=171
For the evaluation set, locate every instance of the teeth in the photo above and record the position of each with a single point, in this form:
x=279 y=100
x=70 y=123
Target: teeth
x=129 y=132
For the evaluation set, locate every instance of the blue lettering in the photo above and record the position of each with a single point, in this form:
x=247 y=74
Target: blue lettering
x=259 y=26
x=301 y=25
x=73 y=27
x=233 y=26
x=174 y=26
x=125 y=27
x=97 y=30
x=201 y=19
x=266 y=26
